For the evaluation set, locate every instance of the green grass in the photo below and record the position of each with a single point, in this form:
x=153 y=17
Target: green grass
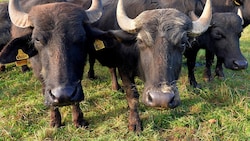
x=218 y=111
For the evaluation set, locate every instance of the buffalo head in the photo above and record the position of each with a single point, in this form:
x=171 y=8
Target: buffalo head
x=55 y=37
x=162 y=36
x=224 y=35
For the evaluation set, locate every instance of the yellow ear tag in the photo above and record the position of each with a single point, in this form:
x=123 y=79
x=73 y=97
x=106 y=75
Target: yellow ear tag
x=21 y=55
x=22 y=58
x=98 y=44
x=21 y=62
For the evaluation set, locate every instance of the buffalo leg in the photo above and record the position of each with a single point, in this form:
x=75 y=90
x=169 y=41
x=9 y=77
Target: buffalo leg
x=91 y=72
x=209 y=61
x=25 y=68
x=219 y=69
x=114 y=81
x=132 y=97
x=77 y=116
x=191 y=59
x=55 y=117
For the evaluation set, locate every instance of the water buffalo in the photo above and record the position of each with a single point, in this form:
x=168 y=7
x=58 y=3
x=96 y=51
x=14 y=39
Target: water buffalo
x=107 y=23
x=5 y=25
x=54 y=37
x=221 y=39
x=225 y=6
x=154 y=43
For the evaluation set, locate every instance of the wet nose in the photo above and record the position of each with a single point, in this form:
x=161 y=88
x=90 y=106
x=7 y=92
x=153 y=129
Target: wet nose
x=240 y=64
x=65 y=95
x=159 y=99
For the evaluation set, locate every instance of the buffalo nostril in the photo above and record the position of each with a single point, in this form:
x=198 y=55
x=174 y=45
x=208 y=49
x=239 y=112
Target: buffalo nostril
x=62 y=94
x=150 y=99
x=173 y=103
x=54 y=99
x=240 y=64
x=159 y=99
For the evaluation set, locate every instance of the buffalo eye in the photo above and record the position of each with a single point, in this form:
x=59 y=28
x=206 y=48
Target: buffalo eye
x=140 y=43
x=37 y=42
x=183 y=46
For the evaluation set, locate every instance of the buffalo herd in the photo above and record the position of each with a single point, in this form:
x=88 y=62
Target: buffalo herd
x=144 y=38
x=219 y=26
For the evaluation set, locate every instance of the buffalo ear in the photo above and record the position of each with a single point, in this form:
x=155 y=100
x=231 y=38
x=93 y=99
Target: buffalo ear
x=108 y=39
x=123 y=37
x=119 y=35
x=113 y=38
x=9 y=52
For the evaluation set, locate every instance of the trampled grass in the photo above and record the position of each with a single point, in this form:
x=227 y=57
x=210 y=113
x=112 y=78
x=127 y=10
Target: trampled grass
x=218 y=111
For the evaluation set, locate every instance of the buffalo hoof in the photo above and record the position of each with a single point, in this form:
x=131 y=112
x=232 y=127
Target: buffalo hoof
x=121 y=90
x=220 y=78
x=134 y=121
x=198 y=86
x=117 y=88
x=207 y=79
x=135 y=127
x=56 y=124
x=82 y=123
x=207 y=76
x=194 y=84
x=25 y=68
x=2 y=68
x=91 y=75
x=220 y=74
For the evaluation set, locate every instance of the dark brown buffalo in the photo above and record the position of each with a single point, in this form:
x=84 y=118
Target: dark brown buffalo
x=152 y=49
x=107 y=21
x=221 y=39
x=225 y=6
x=54 y=36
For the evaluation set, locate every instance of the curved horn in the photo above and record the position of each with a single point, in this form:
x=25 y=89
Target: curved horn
x=202 y=24
x=193 y=16
x=17 y=16
x=239 y=13
x=125 y=23
x=94 y=13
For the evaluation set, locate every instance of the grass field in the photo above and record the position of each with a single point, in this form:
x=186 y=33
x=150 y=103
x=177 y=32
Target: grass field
x=218 y=111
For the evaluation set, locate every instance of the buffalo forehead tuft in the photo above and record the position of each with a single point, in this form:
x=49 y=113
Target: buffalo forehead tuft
x=167 y=23
x=58 y=21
